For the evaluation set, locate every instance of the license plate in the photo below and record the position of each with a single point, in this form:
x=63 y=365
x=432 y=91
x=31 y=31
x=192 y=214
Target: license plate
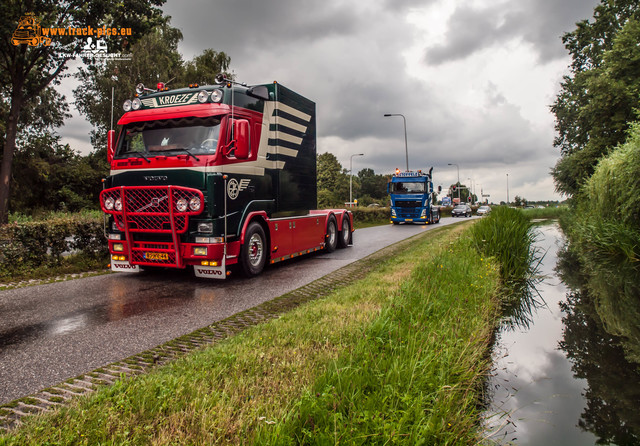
x=408 y=219
x=156 y=256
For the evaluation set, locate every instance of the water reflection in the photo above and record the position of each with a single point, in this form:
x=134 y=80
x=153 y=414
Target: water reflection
x=561 y=379
x=613 y=393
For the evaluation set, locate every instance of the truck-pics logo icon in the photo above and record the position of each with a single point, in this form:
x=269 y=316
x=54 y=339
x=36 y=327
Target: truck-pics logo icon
x=234 y=188
x=29 y=31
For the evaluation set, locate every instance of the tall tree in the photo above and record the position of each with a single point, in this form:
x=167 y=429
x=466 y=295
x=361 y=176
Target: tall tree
x=26 y=71
x=595 y=104
x=371 y=184
x=333 y=181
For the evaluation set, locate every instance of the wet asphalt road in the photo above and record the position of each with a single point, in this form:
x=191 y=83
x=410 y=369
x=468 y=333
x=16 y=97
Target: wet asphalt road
x=53 y=332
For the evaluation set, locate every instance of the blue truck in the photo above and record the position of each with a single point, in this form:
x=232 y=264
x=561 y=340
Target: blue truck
x=411 y=198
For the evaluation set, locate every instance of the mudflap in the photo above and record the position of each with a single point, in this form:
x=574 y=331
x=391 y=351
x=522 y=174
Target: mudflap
x=210 y=272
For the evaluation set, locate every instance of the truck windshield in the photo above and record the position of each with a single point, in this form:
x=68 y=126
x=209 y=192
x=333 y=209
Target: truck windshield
x=191 y=135
x=408 y=188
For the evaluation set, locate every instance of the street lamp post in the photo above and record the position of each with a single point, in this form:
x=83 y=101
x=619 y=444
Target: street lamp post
x=406 y=147
x=507 y=189
x=458 y=186
x=351 y=177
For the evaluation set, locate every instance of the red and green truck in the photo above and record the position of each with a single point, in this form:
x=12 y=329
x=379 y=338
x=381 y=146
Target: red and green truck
x=213 y=176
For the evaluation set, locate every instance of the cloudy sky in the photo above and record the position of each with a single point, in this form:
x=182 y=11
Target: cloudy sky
x=473 y=78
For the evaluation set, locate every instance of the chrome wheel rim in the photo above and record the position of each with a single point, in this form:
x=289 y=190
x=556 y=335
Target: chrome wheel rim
x=255 y=250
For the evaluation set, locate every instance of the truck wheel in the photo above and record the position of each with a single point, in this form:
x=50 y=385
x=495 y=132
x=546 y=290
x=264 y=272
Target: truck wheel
x=331 y=237
x=345 y=233
x=253 y=254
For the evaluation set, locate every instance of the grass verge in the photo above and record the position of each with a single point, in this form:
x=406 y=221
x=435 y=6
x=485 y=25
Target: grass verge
x=399 y=355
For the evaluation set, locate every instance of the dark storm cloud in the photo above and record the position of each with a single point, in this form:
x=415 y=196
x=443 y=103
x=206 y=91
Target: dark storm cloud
x=244 y=27
x=540 y=23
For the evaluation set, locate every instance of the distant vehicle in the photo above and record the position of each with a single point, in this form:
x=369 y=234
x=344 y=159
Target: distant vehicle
x=446 y=201
x=483 y=210
x=461 y=210
x=374 y=205
x=528 y=207
x=411 y=198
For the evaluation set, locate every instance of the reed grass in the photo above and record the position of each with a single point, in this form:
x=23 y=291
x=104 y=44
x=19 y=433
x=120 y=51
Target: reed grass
x=507 y=235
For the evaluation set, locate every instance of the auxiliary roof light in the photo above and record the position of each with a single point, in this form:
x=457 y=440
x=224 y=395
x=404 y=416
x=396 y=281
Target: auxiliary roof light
x=140 y=88
x=136 y=104
x=127 y=105
x=203 y=96
x=216 y=96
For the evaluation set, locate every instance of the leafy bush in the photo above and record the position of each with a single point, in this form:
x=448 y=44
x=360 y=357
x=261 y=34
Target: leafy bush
x=370 y=215
x=27 y=245
x=605 y=234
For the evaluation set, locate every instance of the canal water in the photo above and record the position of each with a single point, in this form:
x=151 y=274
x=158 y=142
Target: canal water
x=560 y=379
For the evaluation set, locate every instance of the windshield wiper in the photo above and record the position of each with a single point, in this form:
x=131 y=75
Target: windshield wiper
x=185 y=150
x=138 y=154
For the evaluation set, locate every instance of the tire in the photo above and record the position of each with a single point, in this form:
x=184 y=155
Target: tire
x=345 y=233
x=253 y=254
x=331 y=236
x=396 y=222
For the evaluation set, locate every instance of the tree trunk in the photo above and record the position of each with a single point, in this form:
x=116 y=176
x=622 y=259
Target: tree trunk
x=7 y=154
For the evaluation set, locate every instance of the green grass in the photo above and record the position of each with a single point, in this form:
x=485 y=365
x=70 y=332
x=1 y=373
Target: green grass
x=399 y=357
x=545 y=213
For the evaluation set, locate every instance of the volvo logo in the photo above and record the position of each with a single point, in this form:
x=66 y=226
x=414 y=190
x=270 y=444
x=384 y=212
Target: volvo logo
x=156 y=178
x=154 y=203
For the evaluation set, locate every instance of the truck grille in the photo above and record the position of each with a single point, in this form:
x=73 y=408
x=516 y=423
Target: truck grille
x=408 y=208
x=408 y=204
x=150 y=211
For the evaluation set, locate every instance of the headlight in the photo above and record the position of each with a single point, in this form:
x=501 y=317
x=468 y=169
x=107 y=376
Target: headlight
x=194 y=204
x=203 y=96
x=216 y=95
x=136 y=104
x=108 y=203
x=118 y=247
x=140 y=88
x=127 y=105
x=393 y=212
x=181 y=205
x=118 y=205
x=423 y=213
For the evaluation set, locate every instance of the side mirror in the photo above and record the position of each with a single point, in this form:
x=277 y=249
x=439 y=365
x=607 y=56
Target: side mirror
x=242 y=137
x=439 y=189
x=111 y=145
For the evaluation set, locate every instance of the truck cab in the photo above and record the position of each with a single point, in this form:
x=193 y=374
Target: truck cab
x=410 y=194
